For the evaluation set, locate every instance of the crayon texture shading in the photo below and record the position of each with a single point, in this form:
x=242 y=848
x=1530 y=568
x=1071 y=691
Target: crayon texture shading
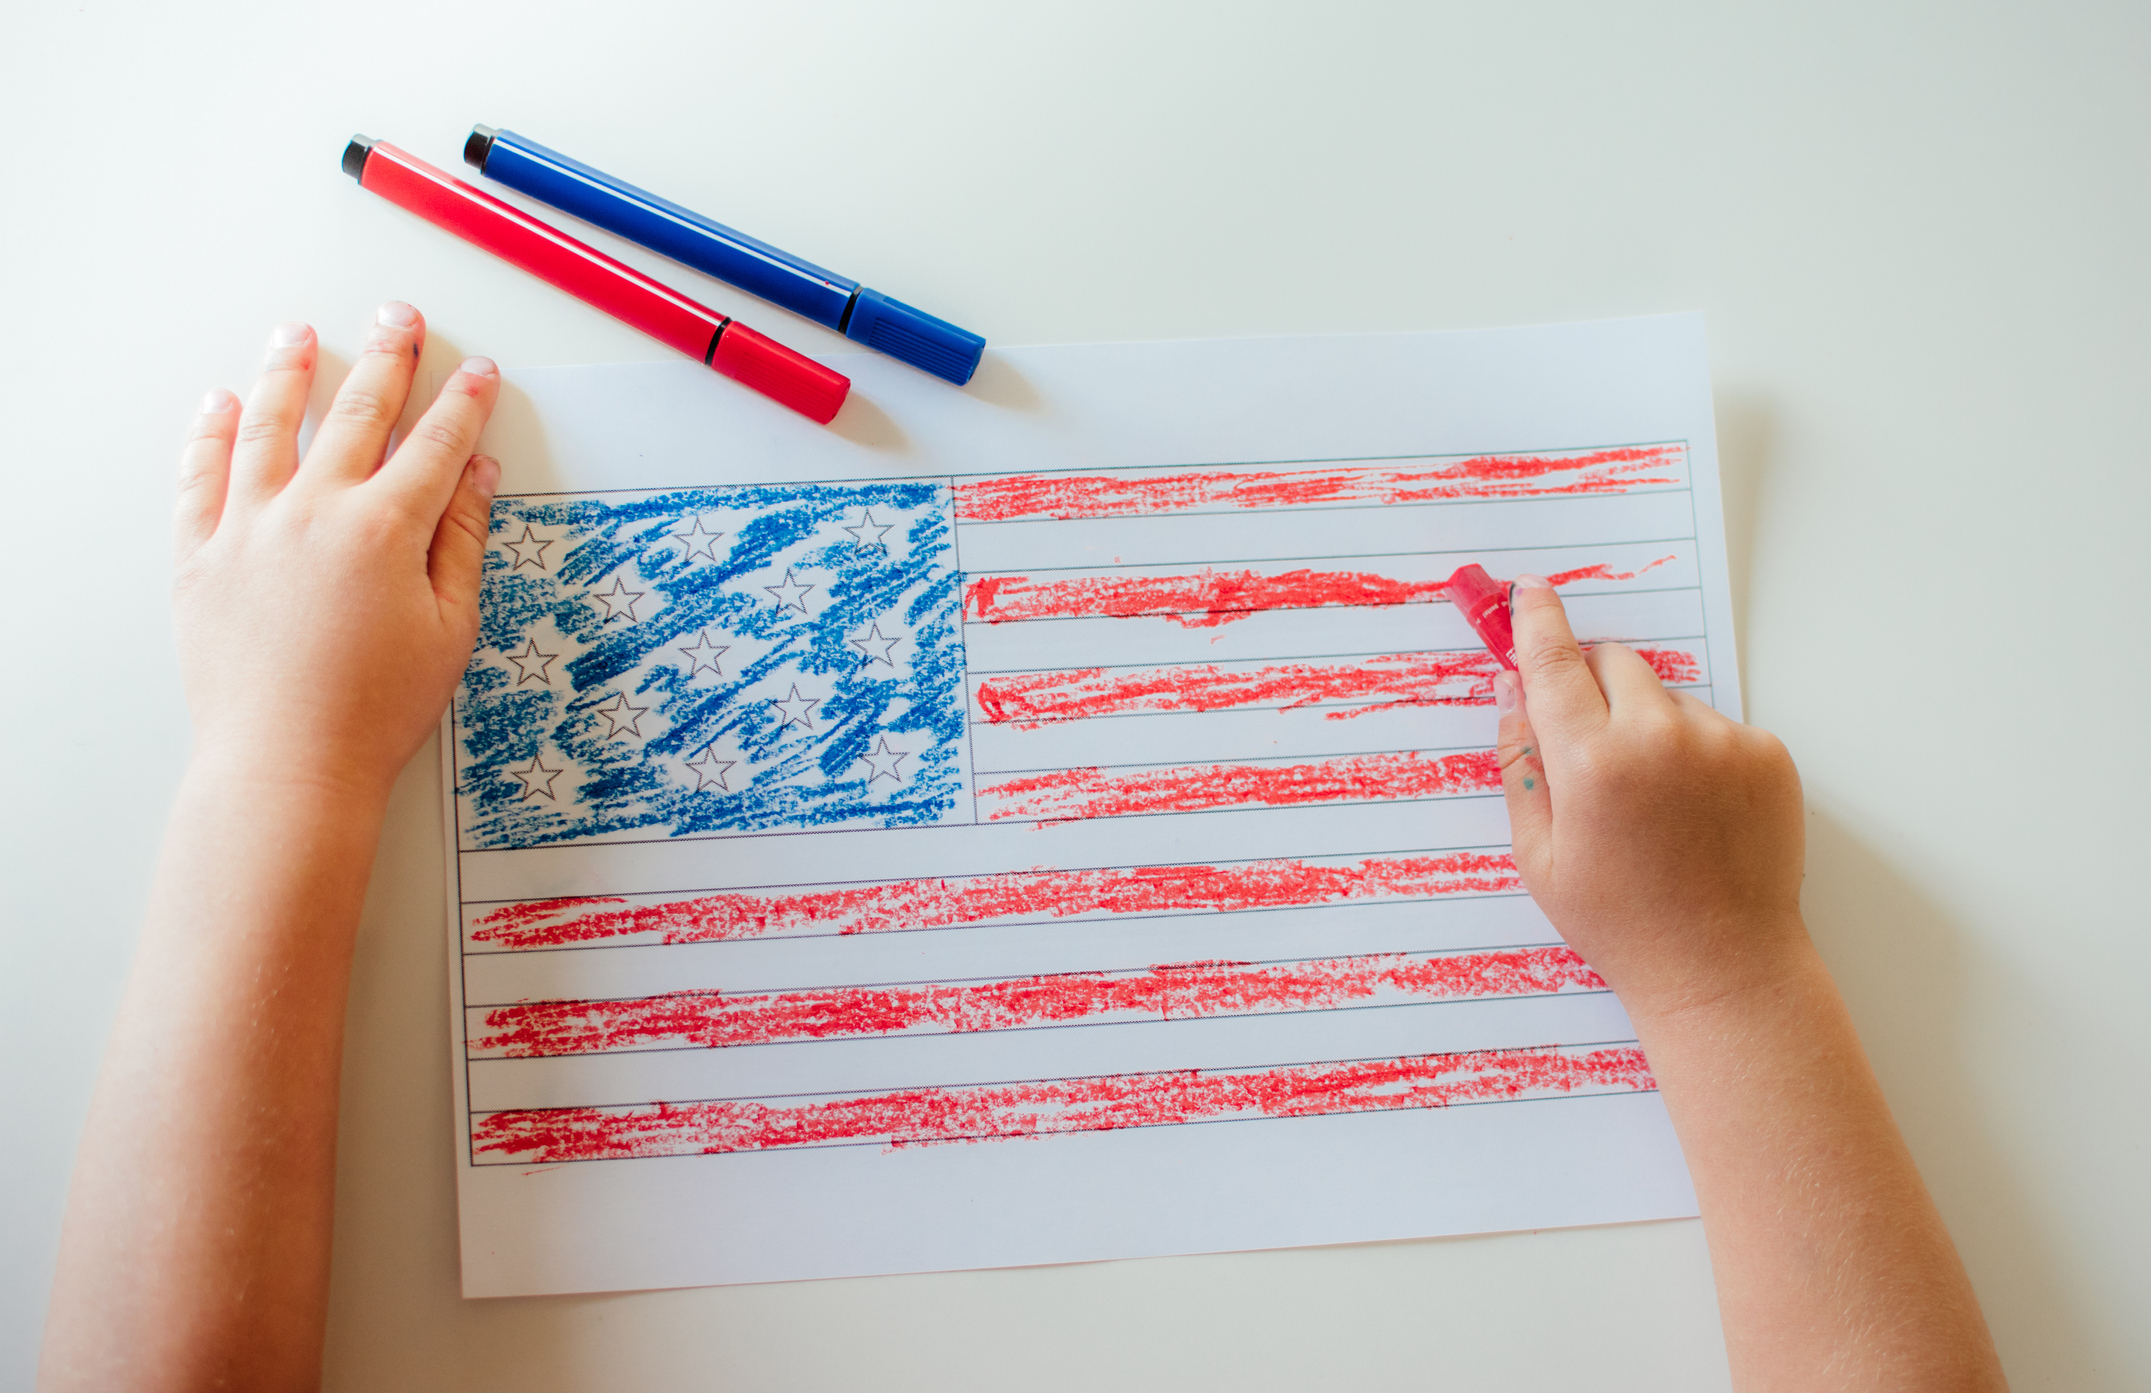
x=981 y=1112
x=714 y=660
x=1078 y=793
x=947 y=902
x=1210 y=598
x=1539 y=475
x=1174 y=991
x=1028 y=700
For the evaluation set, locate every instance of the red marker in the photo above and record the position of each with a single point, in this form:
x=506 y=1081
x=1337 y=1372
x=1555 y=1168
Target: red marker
x=1484 y=603
x=595 y=278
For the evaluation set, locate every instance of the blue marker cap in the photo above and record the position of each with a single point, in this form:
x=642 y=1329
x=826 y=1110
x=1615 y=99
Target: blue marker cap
x=837 y=302
x=913 y=335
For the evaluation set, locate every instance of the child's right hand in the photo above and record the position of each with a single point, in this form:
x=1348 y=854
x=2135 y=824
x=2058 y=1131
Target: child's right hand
x=1663 y=839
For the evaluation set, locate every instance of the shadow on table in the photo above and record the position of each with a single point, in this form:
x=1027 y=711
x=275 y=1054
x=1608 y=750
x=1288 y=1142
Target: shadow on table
x=1747 y=436
x=1920 y=988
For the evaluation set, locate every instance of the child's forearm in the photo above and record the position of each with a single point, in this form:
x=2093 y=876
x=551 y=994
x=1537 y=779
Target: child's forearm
x=1830 y=1258
x=1665 y=842
x=196 y=1252
x=326 y=603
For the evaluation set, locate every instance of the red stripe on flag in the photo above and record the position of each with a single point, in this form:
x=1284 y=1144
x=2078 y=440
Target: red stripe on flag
x=1074 y=793
x=979 y=1112
x=1673 y=666
x=947 y=902
x=1483 y=476
x=1179 y=991
x=1201 y=601
x=1401 y=679
x=1427 y=679
x=1207 y=599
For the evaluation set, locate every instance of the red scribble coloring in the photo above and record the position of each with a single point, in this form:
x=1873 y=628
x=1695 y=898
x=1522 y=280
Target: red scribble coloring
x=1602 y=571
x=1031 y=699
x=1482 y=476
x=944 y=903
x=1074 y=793
x=982 y=1112
x=1208 y=599
x=1204 y=600
x=1673 y=666
x=1180 y=991
x=1434 y=679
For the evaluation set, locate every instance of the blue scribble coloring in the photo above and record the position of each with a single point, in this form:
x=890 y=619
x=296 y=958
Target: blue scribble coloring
x=712 y=661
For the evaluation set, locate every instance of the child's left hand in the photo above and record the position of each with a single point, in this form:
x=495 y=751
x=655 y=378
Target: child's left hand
x=327 y=606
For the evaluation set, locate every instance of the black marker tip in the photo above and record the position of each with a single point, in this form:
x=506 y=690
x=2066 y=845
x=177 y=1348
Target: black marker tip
x=355 y=156
x=478 y=147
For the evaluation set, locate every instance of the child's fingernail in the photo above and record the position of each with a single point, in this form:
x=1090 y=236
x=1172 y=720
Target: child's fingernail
x=396 y=314
x=479 y=367
x=1532 y=583
x=485 y=475
x=219 y=402
x=1505 y=691
x=289 y=334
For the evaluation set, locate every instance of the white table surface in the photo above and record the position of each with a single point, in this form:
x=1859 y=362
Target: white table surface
x=1919 y=232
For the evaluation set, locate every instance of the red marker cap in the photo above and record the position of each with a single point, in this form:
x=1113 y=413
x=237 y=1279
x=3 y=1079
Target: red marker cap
x=758 y=361
x=1484 y=603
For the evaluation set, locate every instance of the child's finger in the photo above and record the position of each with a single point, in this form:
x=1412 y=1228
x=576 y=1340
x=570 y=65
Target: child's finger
x=1565 y=700
x=457 y=556
x=1523 y=778
x=205 y=468
x=1623 y=676
x=428 y=465
x=266 y=449
x=354 y=432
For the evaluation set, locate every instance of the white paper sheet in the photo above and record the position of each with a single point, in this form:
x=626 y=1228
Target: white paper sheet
x=1047 y=821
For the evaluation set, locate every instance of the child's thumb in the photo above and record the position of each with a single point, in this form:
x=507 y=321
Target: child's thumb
x=1523 y=780
x=458 y=552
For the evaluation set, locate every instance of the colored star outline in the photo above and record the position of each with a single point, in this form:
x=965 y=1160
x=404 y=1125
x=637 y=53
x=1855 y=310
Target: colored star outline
x=879 y=529
x=872 y=639
x=703 y=654
x=806 y=704
x=786 y=600
x=620 y=716
x=874 y=757
x=698 y=540
x=537 y=546
x=529 y=657
x=618 y=599
x=537 y=779
x=708 y=769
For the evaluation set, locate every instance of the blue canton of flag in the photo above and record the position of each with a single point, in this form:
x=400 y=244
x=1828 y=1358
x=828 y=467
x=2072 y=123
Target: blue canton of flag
x=712 y=661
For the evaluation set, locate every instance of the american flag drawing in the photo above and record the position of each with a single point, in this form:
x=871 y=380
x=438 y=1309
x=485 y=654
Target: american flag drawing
x=1191 y=663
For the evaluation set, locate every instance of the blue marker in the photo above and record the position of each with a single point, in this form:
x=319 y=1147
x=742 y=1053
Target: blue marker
x=839 y=302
